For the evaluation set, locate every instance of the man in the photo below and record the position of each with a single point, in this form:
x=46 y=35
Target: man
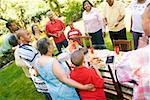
x=11 y=25
x=25 y=57
x=55 y=28
x=135 y=65
x=114 y=14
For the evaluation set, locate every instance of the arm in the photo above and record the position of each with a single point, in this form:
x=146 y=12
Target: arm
x=122 y=14
x=48 y=33
x=63 y=28
x=62 y=76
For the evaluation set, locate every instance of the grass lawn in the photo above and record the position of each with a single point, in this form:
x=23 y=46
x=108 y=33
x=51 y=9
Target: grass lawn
x=15 y=86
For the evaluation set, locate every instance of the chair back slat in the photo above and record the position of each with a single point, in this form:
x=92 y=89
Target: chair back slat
x=124 y=45
x=111 y=86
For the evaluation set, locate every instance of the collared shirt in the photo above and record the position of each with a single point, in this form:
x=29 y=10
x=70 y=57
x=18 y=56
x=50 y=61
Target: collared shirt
x=137 y=10
x=55 y=28
x=5 y=46
x=74 y=32
x=135 y=65
x=93 y=21
x=112 y=13
x=84 y=76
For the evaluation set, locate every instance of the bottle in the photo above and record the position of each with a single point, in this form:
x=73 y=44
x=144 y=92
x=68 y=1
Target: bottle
x=116 y=49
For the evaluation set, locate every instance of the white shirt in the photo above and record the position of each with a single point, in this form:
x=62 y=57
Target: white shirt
x=93 y=21
x=137 y=11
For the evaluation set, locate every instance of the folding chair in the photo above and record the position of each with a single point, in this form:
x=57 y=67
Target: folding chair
x=111 y=87
x=124 y=45
x=126 y=90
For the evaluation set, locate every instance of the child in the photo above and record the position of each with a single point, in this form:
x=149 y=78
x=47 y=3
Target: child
x=73 y=32
x=85 y=75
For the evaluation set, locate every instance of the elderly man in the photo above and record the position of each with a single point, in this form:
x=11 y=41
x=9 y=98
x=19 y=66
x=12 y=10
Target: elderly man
x=25 y=57
x=135 y=65
x=114 y=13
x=55 y=28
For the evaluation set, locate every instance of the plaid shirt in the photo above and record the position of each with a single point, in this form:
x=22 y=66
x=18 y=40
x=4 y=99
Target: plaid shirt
x=135 y=65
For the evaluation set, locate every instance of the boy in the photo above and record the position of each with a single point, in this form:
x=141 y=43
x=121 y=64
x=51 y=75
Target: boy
x=85 y=75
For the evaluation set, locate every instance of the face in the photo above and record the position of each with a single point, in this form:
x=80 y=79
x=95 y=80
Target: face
x=50 y=15
x=70 y=24
x=26 y=37
x=146 y=22
x=36 y=29
x=87 y=6
x=13 y=26
x=110 y=2
x=51 y=48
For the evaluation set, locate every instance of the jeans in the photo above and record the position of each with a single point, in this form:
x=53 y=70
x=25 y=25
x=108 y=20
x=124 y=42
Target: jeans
x=97 y=37
x=118 y=35
x=60 y=44
x=136 y=36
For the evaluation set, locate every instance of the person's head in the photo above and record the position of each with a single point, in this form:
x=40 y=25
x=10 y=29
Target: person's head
x=87 y=5
x=23 y=36
x=13 y=40
x=35 y=29
x=77 y=58
x=12 y=26
x=50 y=15
x=110 y=2
x=45 y=47
x=70 y=23
x=146 y=20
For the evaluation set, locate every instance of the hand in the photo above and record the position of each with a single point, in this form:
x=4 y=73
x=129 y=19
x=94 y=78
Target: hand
x=116 y=24
x=59 y=33
x=89 y=87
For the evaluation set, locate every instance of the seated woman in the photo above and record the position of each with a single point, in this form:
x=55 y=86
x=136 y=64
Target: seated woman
x=56 y=75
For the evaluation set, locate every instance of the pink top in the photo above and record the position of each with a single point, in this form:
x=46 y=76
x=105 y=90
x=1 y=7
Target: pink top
x=135 y=65
x=93 y=21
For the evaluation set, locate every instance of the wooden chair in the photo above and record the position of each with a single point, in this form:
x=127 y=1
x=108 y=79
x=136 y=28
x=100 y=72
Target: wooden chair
x=83 y=40
x=126 y=90
x=111 y=87
x=124 y=45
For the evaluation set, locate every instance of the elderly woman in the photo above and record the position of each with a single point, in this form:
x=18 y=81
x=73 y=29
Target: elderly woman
x=93 y=23
x=56 y=74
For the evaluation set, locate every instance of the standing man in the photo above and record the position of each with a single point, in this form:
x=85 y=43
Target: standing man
x=55 y=28
x=5 y=46
x=114 y=14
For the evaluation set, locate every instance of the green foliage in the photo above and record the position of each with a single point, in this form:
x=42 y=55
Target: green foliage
x=73 y=11
x=15 y=86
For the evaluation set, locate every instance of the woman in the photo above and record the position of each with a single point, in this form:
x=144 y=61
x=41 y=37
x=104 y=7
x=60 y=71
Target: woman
x=137 y=10
x=93 y=23
x=37 y=34
x=56 y=75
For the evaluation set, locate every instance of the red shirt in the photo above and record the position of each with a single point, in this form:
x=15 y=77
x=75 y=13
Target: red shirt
x=74 y=32
x=54 y=28
x=84 y=76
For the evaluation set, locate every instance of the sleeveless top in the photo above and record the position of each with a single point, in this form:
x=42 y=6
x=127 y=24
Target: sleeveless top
x=57 y=89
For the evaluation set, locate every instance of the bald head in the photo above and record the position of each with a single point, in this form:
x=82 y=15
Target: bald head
x=146 y=20
x=77 y=58
x=23 y=36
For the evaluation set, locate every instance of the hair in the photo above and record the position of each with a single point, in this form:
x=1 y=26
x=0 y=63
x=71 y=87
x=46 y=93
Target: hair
x=85 y=2
x=43 y=46
x=33 y=32
x=13 y=40
x=8 y=24
x=77 y=58
x=148 y=7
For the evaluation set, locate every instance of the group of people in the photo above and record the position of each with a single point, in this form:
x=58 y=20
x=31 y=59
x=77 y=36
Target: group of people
x=52 y=76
